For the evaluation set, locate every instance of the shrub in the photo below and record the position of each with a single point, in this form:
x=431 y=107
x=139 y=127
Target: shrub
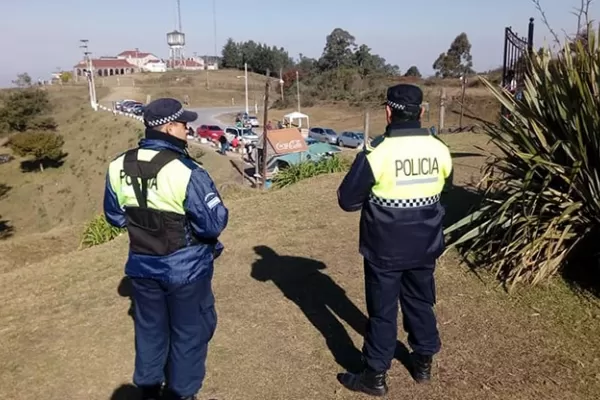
x=22 y=106
x=41 y=146
x=43 y=124
x=297 y=172
x=99 y=231
x=541 y=194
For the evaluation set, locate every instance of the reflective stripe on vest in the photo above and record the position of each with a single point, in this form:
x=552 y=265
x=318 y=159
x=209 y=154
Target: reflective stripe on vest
x=151 y=187
x=166 y=192
x=409 y=171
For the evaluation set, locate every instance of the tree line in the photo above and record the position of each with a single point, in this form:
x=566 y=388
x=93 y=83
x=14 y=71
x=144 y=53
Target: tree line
x=345 y=71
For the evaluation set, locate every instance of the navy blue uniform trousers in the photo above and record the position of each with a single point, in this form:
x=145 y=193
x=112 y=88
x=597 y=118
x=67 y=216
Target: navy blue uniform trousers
x=414 y=289
x=173 y=325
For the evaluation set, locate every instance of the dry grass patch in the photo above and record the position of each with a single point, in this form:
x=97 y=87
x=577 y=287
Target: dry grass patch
x=289 y=316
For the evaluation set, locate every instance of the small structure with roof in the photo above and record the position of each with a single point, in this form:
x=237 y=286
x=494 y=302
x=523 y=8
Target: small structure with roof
x=299 y=118
x=105 y=66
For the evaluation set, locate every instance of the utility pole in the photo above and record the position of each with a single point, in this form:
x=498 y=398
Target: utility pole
x=246 y=84
x=265 y=132
x=298 y=89
x=281 y=83
x=463 y=80
x=90 y=68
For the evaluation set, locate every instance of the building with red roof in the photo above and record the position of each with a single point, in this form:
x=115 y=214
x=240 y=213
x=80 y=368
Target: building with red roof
x=105 y=66
x=137 y=58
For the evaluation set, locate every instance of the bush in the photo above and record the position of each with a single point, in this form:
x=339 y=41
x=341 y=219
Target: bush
x=541 y=202
x=41 y=146
x=43 y=124
x=99 y=231
x=23 y=106
x=297 y=172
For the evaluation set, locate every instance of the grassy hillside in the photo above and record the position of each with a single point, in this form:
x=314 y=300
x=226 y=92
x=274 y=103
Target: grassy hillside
x=66 y=197
x=294 y=307
x=223 y=86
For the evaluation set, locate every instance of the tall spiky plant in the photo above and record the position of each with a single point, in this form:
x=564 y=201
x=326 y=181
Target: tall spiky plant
x=541 y=192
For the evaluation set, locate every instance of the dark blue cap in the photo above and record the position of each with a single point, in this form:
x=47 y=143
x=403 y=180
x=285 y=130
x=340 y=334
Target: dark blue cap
x=404 y=97
x=162 y=111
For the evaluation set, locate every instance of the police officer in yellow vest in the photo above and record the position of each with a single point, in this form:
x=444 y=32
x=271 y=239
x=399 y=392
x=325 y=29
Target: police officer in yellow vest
x=398 y=185
x=174 y=216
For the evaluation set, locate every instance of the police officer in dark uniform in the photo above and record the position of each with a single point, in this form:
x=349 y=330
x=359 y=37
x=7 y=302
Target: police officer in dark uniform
x=398 y=183
x=174 y=216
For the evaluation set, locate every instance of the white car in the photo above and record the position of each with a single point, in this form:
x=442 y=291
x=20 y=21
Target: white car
x=253 y=121
x=245 y=135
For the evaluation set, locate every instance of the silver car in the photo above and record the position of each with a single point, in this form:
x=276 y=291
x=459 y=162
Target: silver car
x=351 y=139
x=327 y=135
x=245 y=135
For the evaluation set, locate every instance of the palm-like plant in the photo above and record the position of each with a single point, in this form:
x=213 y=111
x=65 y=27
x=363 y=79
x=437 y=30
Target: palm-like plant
x=541 y=192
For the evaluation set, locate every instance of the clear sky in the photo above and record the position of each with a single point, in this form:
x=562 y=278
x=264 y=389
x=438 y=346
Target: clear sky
x=39 y=36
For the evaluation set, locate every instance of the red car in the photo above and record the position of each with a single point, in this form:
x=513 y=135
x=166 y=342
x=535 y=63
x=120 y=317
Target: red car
x=211 y=132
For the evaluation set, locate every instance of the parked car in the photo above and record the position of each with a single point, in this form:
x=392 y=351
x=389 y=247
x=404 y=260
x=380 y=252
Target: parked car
x=351 y=139
x=137 y=109
x=211 y=132
x=119 y=104
x=129 y=106
x=326 y=135
x=252 y=121
x=245 y=135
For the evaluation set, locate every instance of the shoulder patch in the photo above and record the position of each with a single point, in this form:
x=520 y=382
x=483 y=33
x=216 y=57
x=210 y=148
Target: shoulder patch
x=212 y=200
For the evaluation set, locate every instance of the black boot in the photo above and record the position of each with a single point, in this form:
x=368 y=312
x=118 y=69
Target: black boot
x=170 y=395
x=369 y=382
x=151 y=392
x=421 y=367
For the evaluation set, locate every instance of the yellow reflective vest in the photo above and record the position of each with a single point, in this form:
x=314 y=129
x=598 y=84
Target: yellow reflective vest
x=397 y=183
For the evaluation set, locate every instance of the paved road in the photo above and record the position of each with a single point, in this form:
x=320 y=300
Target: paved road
x=208 y=115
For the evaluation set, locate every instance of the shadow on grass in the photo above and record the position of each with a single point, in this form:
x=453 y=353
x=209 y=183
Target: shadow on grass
x=34 y=165
x=458 y=203
x=465 y=154
x=126 y=392
x=125 y=290
x=582 y=271
x=6 y=229
x=321 y=299
x=4 y=189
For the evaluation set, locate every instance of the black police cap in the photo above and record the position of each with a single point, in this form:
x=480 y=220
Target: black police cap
x=404 y=97
x=163 y=111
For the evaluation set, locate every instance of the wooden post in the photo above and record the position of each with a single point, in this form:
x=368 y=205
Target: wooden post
x=265 y=119
x=281 y=83
x=442 y=109
x=298 y=89
x=462 y=102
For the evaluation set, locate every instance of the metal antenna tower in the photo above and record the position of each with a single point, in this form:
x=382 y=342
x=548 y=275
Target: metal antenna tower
x=179 y=16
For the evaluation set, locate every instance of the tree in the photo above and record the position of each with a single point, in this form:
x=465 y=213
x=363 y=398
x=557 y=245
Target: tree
x=22 y=107
x=66 y=76
x=413 y=71
x=338 y=51
x=232 y=57
x=43 y=147
x=260 y=57
x=23 y=80
x=457 y=61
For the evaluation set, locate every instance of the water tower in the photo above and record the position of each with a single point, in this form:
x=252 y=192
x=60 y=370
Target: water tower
x=176 y=42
